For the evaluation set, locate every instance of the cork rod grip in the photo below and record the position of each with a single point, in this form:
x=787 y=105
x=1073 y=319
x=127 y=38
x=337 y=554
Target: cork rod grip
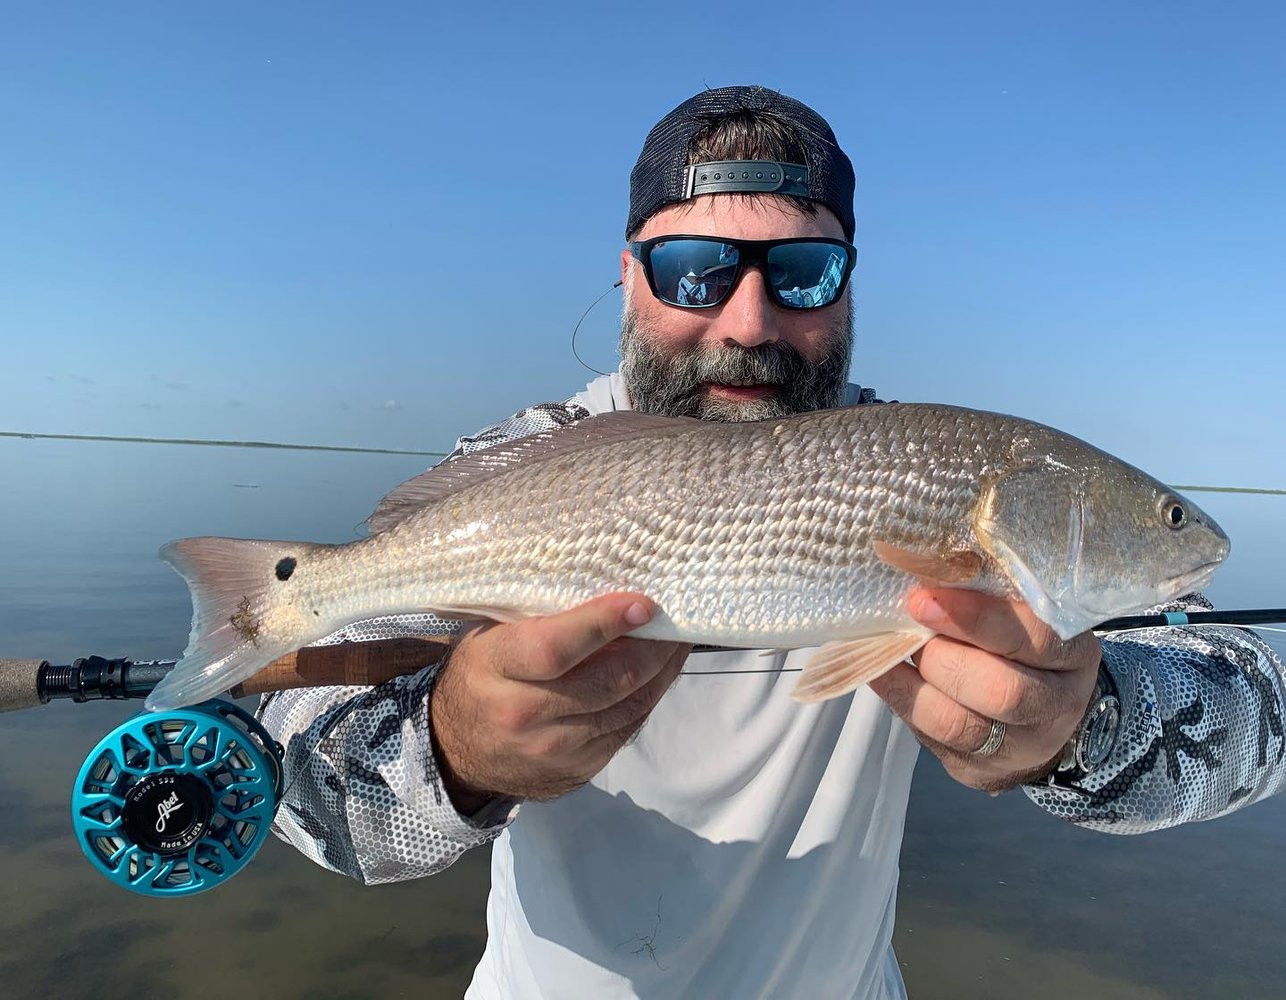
x=347 y=663
x=18 y=687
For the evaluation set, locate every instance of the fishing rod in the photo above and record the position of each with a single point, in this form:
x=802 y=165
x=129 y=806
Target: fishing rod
x=28 y=683
x=176 y=802
x=1250 y=616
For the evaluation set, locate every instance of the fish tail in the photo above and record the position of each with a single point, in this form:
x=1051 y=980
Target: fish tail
x=239 y=625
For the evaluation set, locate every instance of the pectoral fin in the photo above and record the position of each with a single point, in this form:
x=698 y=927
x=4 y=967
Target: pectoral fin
x=954 y=566
x=839 y=667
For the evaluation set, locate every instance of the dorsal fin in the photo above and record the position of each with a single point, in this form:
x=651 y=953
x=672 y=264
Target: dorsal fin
x=469 y=470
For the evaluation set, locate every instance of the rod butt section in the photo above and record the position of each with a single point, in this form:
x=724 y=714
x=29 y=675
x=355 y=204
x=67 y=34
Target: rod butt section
x=19 y=684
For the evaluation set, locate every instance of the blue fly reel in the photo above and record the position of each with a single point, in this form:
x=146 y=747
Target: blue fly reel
x=174 y=803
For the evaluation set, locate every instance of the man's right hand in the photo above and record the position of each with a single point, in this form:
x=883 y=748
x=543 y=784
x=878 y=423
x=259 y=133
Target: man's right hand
x=534 y=709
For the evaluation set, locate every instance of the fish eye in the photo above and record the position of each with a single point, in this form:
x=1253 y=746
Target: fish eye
x=1173 y=514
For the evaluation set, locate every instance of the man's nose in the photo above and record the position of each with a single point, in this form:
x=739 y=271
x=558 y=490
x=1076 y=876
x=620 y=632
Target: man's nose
x=746 y=316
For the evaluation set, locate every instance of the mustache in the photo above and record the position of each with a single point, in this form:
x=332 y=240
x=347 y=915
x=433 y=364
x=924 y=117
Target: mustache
x=765 y=364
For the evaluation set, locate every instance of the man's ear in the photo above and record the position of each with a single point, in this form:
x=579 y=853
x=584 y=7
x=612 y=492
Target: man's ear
x=626 y=257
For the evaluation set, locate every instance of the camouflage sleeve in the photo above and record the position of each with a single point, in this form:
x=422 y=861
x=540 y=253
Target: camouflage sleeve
x=362 y=791
x=1200 y=732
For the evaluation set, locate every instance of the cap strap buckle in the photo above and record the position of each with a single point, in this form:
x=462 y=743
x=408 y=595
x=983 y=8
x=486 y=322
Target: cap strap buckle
x=746 y=176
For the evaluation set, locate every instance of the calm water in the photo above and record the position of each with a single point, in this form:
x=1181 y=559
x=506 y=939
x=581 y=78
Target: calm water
x=997 y=899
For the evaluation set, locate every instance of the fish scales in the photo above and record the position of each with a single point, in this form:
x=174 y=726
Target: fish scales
x=738 y=512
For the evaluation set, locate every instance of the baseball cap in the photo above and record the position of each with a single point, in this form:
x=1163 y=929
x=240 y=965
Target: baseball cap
x=662 y=175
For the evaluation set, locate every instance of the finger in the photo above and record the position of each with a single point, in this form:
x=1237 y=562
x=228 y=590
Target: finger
x=994 y=687
x=601 y=749
x=931 y=713
x=608 y=676
x=540 y=649
x=1008 y=628
x=629 y=713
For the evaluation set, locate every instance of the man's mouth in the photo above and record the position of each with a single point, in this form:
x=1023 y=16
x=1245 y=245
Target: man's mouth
x=740 y=392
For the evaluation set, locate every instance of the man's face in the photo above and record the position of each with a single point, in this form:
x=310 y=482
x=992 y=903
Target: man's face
x=745 y=359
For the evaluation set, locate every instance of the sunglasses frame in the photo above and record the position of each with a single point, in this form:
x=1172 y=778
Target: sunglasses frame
x=750 y=253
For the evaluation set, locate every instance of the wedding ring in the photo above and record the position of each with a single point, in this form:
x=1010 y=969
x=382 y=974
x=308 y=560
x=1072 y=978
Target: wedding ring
x=994 y=739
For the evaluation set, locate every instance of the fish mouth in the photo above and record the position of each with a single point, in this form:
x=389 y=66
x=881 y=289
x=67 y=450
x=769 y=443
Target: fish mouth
x=1193 y=580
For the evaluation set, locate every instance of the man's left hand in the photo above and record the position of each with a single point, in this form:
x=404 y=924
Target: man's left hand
x=993 y=660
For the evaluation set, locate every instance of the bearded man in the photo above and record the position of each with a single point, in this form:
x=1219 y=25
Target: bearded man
x=740 y=844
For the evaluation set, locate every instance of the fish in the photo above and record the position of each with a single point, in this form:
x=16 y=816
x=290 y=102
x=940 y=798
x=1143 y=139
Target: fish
x=787 y=533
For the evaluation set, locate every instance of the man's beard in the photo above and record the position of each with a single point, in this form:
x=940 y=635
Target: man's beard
x=670 y=383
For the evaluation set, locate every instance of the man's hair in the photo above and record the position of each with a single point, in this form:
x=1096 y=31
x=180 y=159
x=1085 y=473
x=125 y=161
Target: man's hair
x=751 y=134
x=748 y=134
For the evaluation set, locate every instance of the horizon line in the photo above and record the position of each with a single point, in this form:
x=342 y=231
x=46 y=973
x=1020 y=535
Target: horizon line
x=357 y=449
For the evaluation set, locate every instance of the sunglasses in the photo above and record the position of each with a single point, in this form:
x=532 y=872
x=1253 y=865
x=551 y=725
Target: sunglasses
x=698 y=272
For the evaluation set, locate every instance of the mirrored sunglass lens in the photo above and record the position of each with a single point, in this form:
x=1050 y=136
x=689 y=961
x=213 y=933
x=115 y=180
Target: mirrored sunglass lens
x=693 y=272
x=807 y=275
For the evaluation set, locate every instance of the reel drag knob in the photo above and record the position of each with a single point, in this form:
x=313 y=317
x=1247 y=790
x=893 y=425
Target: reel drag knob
x=174 y=803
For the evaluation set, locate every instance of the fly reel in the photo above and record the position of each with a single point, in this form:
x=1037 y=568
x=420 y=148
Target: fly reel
x=174 y=803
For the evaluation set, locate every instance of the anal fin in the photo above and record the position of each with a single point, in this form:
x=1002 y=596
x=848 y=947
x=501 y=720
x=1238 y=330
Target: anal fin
x=839 y=667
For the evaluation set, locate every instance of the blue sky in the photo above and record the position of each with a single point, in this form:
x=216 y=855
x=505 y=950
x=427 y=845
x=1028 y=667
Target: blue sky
x=377 y=225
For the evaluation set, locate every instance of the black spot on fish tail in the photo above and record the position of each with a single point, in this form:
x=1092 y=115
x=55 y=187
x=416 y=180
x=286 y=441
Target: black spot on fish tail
x=285 y=567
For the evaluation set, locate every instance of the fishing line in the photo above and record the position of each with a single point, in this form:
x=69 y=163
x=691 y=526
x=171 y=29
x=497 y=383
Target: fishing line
x=1230 y=489
x=1255 y=617
x=576 y=329
x=283 y=446
x=213 y=443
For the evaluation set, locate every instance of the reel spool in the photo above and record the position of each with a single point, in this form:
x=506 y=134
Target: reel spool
x=175 y=803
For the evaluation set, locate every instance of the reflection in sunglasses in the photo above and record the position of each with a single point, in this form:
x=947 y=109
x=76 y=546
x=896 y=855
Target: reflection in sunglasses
x=696 y=271
x=709 y=287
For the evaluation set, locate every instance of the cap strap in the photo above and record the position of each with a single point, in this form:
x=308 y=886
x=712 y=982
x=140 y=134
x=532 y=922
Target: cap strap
x=722 y=176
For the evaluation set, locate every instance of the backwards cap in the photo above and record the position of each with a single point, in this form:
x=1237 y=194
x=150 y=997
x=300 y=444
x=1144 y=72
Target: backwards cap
x=662 y=175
